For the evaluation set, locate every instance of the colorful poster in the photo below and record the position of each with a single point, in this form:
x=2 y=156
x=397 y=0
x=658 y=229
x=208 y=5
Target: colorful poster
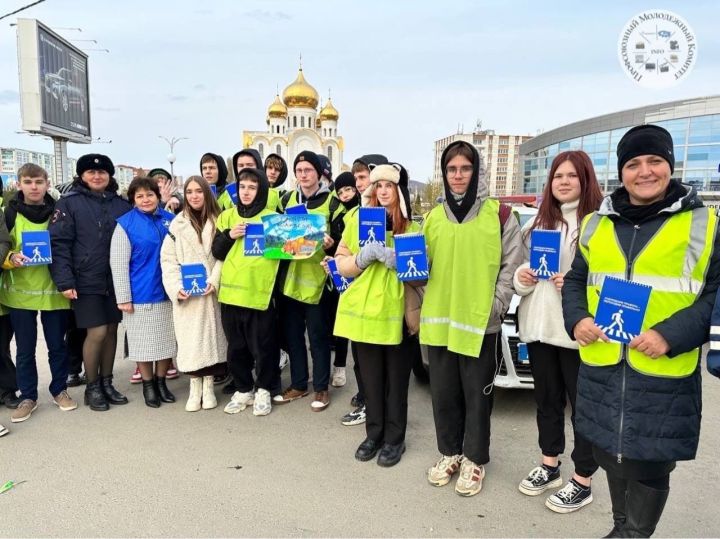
x=621 y=309
x=36 y=246
x=293 y=237
x=372 y=226
x=254 y=239
x=545 y=253
x=194 y=279
x=411 y=257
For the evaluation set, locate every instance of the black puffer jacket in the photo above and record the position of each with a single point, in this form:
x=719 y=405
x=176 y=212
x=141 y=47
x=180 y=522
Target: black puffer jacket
x=80 y=232
x=653 y=419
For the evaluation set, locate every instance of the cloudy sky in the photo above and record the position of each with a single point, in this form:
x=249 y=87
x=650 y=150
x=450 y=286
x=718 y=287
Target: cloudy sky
x=402 y=73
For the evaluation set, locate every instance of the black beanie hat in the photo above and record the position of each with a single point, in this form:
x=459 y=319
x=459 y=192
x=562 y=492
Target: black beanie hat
x=94 y=161
x=312 y=158
x=645 y=140
x=326 y=166
x=346 y=179
x=159 y=171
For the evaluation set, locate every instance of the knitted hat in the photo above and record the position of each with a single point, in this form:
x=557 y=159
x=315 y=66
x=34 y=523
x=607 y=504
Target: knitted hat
x=94 y=161
x=396 y=174
x=346 y=179
x=158 y=172
x=312 y=159
x=645 y=140
x=326 y=167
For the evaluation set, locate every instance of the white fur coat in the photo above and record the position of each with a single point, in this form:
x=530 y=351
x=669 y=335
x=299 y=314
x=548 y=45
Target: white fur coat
x=198 y=328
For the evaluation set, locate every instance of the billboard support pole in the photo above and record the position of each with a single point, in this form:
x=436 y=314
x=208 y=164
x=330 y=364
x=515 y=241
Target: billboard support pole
x=60 y=152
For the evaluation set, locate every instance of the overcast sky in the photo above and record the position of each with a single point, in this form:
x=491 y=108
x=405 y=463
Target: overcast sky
x=402 y=73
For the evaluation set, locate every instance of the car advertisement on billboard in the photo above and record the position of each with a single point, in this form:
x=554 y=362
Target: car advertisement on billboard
x=53 y=83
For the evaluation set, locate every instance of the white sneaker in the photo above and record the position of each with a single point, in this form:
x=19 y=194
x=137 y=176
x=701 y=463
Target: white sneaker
x=3 y=430
x=262 y=404
x=238 y=402
x=195 y=394
x=471 y=477
x=284 y=359
x=443 y=470
x=338 y=377
x=208 y=393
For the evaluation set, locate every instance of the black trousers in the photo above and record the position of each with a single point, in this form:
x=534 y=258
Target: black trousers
x=74 y=339
x=329 y=302
x=252 y=342
x=555 y=371
x=8 y=379
x=462 y=398
x=358 y=373
x=386 y=371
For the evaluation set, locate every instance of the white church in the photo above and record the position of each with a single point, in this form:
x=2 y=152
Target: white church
x=295 y=125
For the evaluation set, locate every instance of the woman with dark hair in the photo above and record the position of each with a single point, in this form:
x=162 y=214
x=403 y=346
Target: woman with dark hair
x=371 y=313
x=474 y=248
x=147 y=311
x=571 y=193
x=202 y=347
x=81 y=229
x=639 y=404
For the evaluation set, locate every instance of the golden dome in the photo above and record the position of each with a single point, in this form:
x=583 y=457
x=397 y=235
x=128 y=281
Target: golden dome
x=300 y=93
x=277 y=109
x=328 y=112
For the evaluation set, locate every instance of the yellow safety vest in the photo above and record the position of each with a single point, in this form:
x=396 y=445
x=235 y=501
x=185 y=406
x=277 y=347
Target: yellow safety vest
x=674 y=263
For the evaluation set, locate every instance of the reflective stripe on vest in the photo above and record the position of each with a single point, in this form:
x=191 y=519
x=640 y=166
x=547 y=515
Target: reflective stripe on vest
x=465 y=262
x=305 y=278
x=674 y=263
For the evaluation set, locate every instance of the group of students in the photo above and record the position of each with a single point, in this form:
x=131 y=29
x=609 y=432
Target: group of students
x=635 y=408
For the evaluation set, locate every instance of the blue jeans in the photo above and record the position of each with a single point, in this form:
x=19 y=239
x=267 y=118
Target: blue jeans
x=296 y=317
x=54 y=324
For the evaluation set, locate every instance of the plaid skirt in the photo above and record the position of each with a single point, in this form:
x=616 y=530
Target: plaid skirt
x=150 y=332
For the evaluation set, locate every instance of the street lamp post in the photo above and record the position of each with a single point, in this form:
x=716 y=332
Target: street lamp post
x=171 y=156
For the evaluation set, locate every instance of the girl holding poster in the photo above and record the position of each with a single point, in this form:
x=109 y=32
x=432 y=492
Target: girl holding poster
x=571 y=192
x=201 y=342
x=371 y=313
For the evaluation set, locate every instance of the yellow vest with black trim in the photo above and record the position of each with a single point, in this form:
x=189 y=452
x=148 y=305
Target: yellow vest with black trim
x=306 y=278
x=674 y=263
x=464 y=265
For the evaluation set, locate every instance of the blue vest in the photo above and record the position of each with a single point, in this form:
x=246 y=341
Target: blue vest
x=146 y=233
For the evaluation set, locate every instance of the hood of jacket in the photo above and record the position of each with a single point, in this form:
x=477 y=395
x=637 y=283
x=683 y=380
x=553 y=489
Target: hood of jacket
x=37 y=214
x=257 y=205
x=222 y=170
x=477 y=189
x=322 y=192
x=246 y=151
x=372 y=159
x=283 y=171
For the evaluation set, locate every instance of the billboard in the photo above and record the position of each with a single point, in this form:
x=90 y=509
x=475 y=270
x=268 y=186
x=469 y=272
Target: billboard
x=54 y=91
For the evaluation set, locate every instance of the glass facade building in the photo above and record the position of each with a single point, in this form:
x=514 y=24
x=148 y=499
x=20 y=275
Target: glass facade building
x=694 y=125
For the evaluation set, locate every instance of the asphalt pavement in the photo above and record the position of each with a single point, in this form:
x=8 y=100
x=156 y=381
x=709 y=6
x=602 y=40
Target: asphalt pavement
x=137 y=471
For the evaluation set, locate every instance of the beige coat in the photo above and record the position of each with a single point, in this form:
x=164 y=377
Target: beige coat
x=198 y=328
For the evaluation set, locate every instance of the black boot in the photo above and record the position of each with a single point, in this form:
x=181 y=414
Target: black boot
x=163 y=390
x=644 y=508
x=95 y=398
x=150 y=393
x=111 y=394
x=618 y=495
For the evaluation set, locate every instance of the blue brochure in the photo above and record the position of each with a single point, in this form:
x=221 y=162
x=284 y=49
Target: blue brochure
x=231 y=189
x=545 y=253
x=300 y=209
x=341 y=283
x=411 y=257
x=194 y=279
x=254 y=239
x=36 y=246
x=372 y=226
x=622 y=308
x=213 y=188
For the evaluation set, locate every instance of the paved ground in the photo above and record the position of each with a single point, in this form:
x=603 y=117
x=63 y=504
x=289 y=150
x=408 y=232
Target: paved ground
x=135 y=471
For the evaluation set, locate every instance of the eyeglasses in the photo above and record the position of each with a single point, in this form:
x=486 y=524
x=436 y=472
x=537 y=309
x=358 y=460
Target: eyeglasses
x=465 y=169
x=303 y=171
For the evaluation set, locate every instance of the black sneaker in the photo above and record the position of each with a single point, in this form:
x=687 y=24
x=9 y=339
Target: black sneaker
x=10 y=400
x=571 y=497
x=539 y=480
x=230 y=388
x=357 y=400
x=73 y=380
x=356 y=417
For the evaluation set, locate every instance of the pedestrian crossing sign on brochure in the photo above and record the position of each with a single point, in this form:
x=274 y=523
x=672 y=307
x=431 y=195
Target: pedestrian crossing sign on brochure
x=372 y=226
x=194 y=279
x=621 y=309
x=298 y=209
x=341 y=283
x=545 y=253
x=411 y=257
x=254 y=239
x=522 y=354
x=36 y=247
x=231 y=189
